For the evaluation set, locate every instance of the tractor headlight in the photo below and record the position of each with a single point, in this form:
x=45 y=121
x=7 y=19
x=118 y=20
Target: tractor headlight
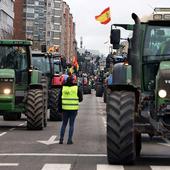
x=162 y=93
x=7 y=91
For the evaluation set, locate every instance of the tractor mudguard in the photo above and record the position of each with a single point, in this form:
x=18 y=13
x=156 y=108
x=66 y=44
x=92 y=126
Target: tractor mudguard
x=121 y=74
x=36 y=76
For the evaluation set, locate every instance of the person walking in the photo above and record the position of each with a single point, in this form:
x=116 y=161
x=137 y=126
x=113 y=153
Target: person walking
x=69 y=98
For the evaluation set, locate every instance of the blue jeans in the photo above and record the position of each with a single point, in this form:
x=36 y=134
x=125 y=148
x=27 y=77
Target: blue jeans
x=70 y=116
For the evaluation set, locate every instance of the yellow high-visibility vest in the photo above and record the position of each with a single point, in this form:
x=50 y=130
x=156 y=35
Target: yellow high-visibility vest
x=70 y=100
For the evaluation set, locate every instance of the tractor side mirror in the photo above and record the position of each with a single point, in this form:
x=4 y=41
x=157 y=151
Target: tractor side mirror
x=115 y=38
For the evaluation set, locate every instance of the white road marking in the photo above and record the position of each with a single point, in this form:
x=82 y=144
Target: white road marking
x=56 y=167
x=166 y=140
x=160 y=167
x=165 y=144
x=22 y=124
x=9 y=164
x=109 y=167
x=104 y=121
x=11 y=129
x=53 y=154
x=49 y=141
x=3 y=133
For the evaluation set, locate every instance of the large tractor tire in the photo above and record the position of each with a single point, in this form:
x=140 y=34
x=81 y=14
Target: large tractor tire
x=35 y=110
x=105 y=95
x=44 y=82
x=85 y=89
x=99 y=90
x=138 y=143
x=53 y=105
x=89 y=89
x=121 y=147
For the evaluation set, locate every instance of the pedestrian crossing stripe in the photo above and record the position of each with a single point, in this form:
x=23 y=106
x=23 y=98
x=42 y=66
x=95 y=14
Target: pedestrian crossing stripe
x=56 y=167
x=102 y=167
x=121 y=167
x=98 y=166
x=160 y=167
x=110 y=167
x=9 y=164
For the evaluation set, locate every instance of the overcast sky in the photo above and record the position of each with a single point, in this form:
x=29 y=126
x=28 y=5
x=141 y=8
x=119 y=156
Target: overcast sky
x=95 y=35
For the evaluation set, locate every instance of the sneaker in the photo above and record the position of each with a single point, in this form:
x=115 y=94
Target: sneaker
x=60 y=142
x=70 y=142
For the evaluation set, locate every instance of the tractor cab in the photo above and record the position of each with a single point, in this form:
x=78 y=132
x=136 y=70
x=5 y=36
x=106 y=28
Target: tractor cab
x=21 y=86
x=142 y=84
x=15 y=57
x=41 y=61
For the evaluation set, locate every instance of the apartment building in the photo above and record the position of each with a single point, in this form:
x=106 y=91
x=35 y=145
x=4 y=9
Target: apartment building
x=53 y=24
x=68 y=40
x=46 y=22
x=6 y=18
x=30 y=21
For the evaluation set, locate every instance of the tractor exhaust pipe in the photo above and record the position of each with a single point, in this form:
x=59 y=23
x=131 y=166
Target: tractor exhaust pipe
x=135 y=18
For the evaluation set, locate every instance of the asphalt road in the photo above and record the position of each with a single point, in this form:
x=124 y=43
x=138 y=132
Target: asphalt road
x=21 y=149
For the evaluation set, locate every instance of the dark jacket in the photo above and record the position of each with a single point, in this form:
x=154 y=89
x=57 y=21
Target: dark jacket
x=79 y=93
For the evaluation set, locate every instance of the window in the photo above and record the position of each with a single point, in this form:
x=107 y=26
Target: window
x=13 y=57
x=30 y=10
x=57 y=5
x=157 y=42
x=36 y=3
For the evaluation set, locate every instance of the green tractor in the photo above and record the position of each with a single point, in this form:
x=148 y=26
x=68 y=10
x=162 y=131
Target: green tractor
x=22 y=90
x=52 y=69
x=138 y=101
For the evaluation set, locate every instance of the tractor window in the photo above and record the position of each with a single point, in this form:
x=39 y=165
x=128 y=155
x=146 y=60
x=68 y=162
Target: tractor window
x=13 y=57
x=41 y=62
x=57 y=68
x=157 y=43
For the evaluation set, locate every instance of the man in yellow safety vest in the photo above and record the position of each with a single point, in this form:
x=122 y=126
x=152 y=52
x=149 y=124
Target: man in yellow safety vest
x=69 y=98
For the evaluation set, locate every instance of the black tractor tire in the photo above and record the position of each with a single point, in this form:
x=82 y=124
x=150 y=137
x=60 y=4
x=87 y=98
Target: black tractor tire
x=138 y=143
x=85 y=89
x=11 y=116
x=89 y=90
x=120 y=128
x=44 y=82
x=99 y=90
x=35 y=109
x=53 y=105
x=105 y=95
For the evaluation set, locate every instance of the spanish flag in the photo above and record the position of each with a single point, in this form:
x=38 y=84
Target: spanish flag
x=75 y=63
x=104 y=17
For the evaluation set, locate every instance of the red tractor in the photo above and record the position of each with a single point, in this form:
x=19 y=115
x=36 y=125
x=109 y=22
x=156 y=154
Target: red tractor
x=55 y=86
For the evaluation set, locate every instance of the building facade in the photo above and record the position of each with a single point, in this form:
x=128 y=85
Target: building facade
x=69 y=44
x=30 y=21
x=6 y=19
x=53 y=24
x=46 y=22
x=19 y=19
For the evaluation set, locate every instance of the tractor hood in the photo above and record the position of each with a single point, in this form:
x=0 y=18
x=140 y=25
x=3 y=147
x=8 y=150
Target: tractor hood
x=7 y=73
